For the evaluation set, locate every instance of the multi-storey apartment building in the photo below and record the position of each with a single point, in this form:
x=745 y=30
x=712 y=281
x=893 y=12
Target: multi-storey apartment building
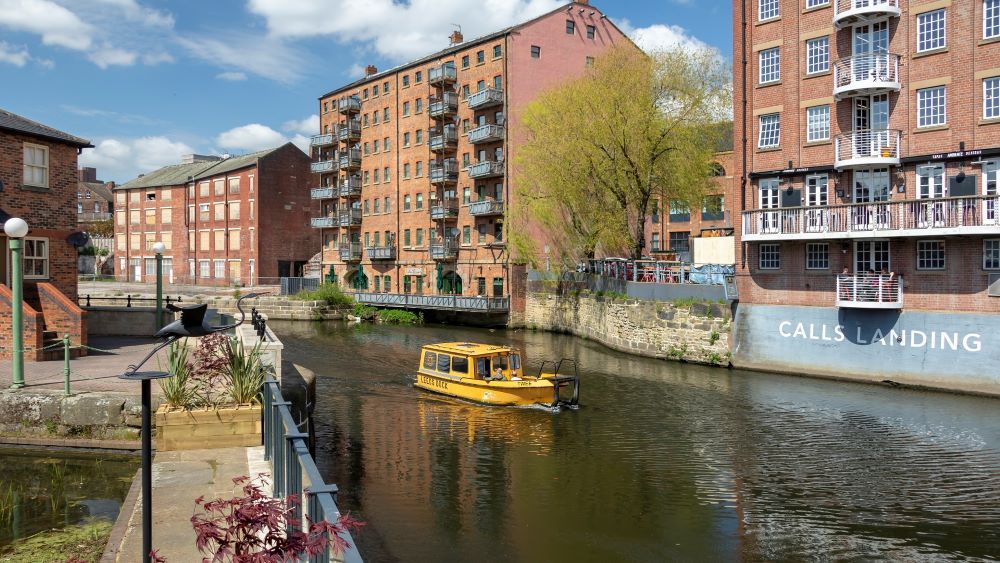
x=868 y=154
x=242 y=220
x=93 y=198
x=413 y=164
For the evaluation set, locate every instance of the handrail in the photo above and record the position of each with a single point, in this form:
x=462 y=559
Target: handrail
x=294 y=471
x=418 y=301
x=866 y=69
x=867 y=144
x=869 y=290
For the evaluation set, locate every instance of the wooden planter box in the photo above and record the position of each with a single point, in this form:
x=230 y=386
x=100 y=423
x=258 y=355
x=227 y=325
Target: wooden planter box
x=207 y=428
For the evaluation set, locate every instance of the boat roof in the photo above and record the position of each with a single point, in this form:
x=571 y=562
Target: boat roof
x=467 y=348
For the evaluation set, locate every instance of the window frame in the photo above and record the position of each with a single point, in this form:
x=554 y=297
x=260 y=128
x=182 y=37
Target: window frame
x=925 y=95
x=45 y=167
x=994 y=98
x=776 y=248
x=817 y=54
x=42 y=258
x=761 y=130
x=813 y=253
x=771 y=6
x=768 y=66
x=995 y=7
x=996 y=263
x=811 y=126
x=926 y=263
x=932 y=43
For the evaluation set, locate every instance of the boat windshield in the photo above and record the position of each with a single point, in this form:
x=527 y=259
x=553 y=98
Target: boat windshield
x=515 y=362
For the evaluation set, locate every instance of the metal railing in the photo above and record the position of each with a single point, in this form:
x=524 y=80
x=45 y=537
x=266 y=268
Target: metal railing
x=642 y=271
x=443 y=138
x=872 y=71
x=85 y=300
x=447 y=104
x=85 y=216
x=350 y=217
x=445 y=209
x=444 y=73
x=294 y=471
x=349 y=104
x=973 y=214
x=486 y=207
x=486 y=133
x=867 y=146
x=323 y=166
x=350 y=158
x=485 y=98
x=350 y=251
x=444 y=172
x=381 y=252
x=443 y=250
x=349 y=130
x=326 y=192
x=870 y=291
x=456 y=302
x=486 y=169
x=323 y=222
x=321 y=140
x=850 y=8
x=350 y=186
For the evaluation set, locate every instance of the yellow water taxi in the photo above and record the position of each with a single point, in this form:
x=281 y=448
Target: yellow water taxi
x=492 y=375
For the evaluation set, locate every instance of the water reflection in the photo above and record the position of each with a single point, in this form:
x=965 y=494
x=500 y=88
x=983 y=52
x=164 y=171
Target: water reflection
x=663 y=461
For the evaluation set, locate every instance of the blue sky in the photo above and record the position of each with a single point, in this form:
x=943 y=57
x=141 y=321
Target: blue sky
x=149 y=80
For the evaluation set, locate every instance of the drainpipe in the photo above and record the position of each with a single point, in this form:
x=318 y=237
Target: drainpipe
x=743 y=118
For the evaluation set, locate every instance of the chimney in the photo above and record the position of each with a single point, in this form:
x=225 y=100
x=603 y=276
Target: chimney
x=584 y=2
x=456 y=37
x=88 y=174
x=370 y=70
x=109 y=185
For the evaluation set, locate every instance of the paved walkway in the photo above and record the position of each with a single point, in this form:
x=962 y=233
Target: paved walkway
x=178 y=479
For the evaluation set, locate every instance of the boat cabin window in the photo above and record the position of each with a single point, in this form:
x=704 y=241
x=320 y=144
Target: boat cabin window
x=482 y=368
x=460 y=364
x=430 y=360
x=500 y=362
x=515 y=362
x=443 y=361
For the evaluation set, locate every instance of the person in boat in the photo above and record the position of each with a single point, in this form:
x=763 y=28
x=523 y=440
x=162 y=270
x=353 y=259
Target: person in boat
x=497 y=374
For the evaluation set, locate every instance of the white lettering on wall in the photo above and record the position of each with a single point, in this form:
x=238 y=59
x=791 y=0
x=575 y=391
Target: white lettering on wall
x=932 y=340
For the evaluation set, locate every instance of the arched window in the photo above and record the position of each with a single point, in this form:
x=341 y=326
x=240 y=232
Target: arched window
x=716 y=170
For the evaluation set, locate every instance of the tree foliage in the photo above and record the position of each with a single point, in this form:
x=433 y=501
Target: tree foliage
x=601 y=149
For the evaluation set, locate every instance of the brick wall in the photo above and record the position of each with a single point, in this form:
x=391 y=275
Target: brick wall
x=284 y=210
x=63 y=316
x=32 y=332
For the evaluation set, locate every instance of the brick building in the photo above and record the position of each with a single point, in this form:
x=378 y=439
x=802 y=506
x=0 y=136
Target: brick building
x=868 y=142
x=93 y=198
x=38 y=183
x=413 y=165
x=224 y=221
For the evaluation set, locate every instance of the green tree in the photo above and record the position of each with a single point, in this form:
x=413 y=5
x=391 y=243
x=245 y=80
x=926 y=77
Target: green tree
x=601 y=149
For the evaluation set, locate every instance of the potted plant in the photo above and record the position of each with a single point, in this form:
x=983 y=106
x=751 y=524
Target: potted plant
x=212 y=401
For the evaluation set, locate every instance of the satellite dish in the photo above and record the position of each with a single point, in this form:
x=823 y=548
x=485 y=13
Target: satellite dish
x=78 y=239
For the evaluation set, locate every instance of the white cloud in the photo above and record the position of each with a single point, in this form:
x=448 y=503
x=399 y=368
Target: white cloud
x=659 y=37
x=55 y=24
x=427 y=23
x=136 y=12
x=308 y=126
x=17 y=56
x=264 y=57
x=232 y=76
x=252 y=137
x=123 y=160
x=110 y=56
x=302 y=142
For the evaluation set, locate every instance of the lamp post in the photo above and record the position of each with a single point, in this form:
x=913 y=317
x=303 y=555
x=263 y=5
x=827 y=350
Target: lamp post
x=158 y=248
x=16 y=229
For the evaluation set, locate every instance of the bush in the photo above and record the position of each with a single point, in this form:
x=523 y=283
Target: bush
x=398 y=317
x=328 y=292
x=244 y=373
x=364 y=311
x=183 y=390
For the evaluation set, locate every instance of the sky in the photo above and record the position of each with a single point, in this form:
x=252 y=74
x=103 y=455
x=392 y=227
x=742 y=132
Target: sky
x=150 y=80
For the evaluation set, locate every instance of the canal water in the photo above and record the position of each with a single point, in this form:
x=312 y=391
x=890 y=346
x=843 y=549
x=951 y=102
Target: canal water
x=661 y=462
x=42 y=490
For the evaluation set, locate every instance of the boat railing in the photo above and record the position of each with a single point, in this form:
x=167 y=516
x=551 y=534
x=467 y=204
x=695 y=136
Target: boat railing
x=559 y=381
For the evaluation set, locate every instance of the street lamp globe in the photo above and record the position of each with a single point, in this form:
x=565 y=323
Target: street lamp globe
x=15 y=227
x=159 y=248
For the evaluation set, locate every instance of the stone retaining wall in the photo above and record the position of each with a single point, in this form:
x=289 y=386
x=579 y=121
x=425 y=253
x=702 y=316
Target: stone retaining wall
x=697 y=333
x=84 y=415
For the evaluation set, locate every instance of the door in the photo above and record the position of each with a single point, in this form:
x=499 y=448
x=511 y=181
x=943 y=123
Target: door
x=817 y=213
x=870 y=44
x=871 y=256
x=991 y=180
x=136 y=270
x=769 y=194
x=871 y=125
x=931 y=187
x=871 y=193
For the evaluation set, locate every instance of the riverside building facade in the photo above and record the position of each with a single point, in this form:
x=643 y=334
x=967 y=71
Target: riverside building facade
x=868 y=156
x=412 y=165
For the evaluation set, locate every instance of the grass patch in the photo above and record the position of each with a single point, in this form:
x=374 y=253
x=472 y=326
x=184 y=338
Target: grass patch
x=713 y=337
x=78 y=543
x=364 y=311
x=327 y=292
x=399 y=317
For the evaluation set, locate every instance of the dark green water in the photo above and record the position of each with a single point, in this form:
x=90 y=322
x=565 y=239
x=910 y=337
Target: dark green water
x=662 y=461
x=41 y=490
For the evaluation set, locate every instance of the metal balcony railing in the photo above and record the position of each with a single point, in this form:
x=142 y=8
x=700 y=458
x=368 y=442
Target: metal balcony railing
x=350 y=217
x=442 y=139
x=446 y=73
x=485 y=98
x=444 y=106
x=323 y=222
x=445 y=172
x=86 y=216
x=846 y=12
x=349 y=104
x=972 y=215
x=486 y=207
x=867 y=147
x=381 y=252
x=486 y=169
x=444 y=250
x=486 y=134
x=326 y=192
x=350 y=186
x=350 y=252
x=452 y=302
x=444 y=209
x=870 y=291
x=349 y=131
x=322 y=140
x=323 y=166
x=866 y=74
x=350 y=159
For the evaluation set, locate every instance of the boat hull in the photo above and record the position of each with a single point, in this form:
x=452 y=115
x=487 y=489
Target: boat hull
x=503 y=393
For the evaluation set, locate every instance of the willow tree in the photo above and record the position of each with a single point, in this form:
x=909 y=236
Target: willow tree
x=600 y=149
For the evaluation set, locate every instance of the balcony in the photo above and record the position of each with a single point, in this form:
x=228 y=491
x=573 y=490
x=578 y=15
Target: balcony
x=350 y=217
x=444 y=250
x=444 y=172
x=381 y=252
x=444 y=209
x=869 y=291
x=326 y=192
x=486 y=134
x=485 y=98
x=868 y=147
x=874 y=73
x=349 y=130
x=322 y=166
x=443 y=139
x=850 y=12
x=444 y=302
x=88 y=216
x=444 y=74
x=350 y=252
x=485 y=208
x=950 y=216
x=350 y=159
x=349 y=104
x=445 y=106
x=350 y=187
x=486 y=169
x=323 y=222
x=323 y=140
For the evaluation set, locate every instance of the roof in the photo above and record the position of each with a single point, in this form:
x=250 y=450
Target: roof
x=235 y=162
x=467 y=348
x=98 y=189
x=14 y=122
x=177 y=174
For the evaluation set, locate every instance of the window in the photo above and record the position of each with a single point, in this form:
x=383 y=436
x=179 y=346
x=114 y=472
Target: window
x=817 y=55
x=204 y=268
x=589 y=62
x=991 y=254
x=931 y=107
x=467 y=235
x=418 y=77
x=166 y=214
x=220 y=269
x=219 y=187
x=460 y=364
x=497 y=51
x=364 y=94
x=419 y=136
x=420 y=201
x=36 y=258
x=406 y=203
x=406 y=81
x=770 y=131
x=591 y=32
x=406 y=139
x=466 y=196
x=385 y=87
x=816 y=3
x=481 y=233
x=770 y=65
x=234 y=239
x=219 y=212
x=930 y=31
x=930 y=254
x=420 y=168
x=770 y=257
x=817 y=256
x=570 y=27
x=385 y=115
x=418 y=105
x=406 y=237
x=385 y=207
x=406 y=170
x=991 y=97
x=36 y=165
x=680 y=241
x=991 y=19
x=420 y=237
x=767 y=9
x=378 y=206
x=480 y=57
x=817 y=123
x=465 y=61
x=234 y=186
x=655 y=242
x=536 y=51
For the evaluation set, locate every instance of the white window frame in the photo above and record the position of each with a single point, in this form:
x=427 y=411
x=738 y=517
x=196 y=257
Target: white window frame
x=44 y=166
x=994 y=260
x=928 y=114
x=219 y=269
x=932 y=30
x=768 y=10
x=927 y=254
x=817 y=256
x=816 y=3
x=818 y=55
x=991 y=19
x=991 y=97
x=774 y=256
x=769 y=66
x=817 y=123
x=43 y=258
x=765 y=125
x=205 y=269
